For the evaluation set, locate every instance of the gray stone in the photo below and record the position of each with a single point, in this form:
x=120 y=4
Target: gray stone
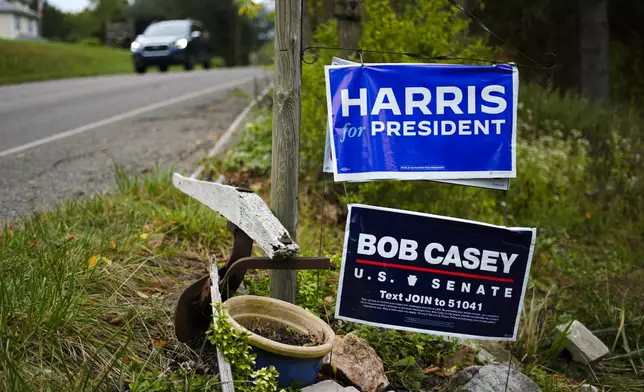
x=354 y=361
x=499 y=352
x=492 y=378
x=324 y=386
x=351 y=389
x=582 y=344
x=588 y=388
x=484 y=357
x=489 y=351
x=465 y=375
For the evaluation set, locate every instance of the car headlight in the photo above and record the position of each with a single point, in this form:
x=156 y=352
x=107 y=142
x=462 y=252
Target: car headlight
x=134 y=46
x=181 y=43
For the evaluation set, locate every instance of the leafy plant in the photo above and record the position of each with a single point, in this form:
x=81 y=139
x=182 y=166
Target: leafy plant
x=234 y=346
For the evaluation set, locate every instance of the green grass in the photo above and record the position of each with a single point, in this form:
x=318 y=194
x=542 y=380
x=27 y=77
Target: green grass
x=22 y=61
x=87 y=290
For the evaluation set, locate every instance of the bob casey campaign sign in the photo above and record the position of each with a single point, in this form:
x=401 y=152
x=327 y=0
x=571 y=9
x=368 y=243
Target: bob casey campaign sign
x=422 y=121
x=433 y=274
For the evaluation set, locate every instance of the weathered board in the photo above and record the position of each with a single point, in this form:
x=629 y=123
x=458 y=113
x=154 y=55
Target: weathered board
x=225 y=372
x=246 y=210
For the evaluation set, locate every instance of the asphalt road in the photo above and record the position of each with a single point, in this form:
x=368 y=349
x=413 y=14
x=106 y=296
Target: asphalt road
x=61 y=139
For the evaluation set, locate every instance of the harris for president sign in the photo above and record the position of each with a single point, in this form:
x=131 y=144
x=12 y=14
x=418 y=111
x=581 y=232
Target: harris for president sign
x=433 y=274
x=422 y=121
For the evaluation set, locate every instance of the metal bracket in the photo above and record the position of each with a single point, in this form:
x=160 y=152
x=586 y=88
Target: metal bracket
x=193 y=313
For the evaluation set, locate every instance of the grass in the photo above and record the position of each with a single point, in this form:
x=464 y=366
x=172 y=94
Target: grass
x=86 y=290
x=22 y=61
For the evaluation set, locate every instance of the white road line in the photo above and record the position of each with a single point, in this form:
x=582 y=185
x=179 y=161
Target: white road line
x=122 y=116
x=221 y=144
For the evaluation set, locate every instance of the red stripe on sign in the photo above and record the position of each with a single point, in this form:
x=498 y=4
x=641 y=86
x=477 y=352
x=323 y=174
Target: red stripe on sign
x=434 y=271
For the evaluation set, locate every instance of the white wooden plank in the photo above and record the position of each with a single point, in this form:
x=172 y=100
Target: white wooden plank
x=225 y=372
x=246 y=210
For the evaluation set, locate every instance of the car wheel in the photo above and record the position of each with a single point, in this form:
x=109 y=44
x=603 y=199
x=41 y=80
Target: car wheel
x=188 y=65
x=163 y=68
x=207 y=64
x=140 y=69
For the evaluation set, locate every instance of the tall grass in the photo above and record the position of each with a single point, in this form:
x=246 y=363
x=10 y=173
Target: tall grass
x=87 y=289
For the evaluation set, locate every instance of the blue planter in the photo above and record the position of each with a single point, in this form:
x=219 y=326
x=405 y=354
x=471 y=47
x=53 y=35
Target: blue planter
x=299 y=371
x=295 y=364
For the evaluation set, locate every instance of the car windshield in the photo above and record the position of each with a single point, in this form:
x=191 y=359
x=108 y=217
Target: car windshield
x=166 y=29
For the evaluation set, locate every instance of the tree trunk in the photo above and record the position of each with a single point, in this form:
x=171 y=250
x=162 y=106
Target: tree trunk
x=349 y=29
x=594 y=46
x=307 y=27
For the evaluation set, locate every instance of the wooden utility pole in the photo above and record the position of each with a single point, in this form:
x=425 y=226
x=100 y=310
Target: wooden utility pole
x=286 y=132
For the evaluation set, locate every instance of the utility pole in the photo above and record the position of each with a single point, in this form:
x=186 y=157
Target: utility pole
x=286 y=132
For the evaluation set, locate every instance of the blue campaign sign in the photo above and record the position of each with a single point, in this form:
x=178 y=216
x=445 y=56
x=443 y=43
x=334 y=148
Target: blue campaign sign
x=422 y=121
x=433 y=274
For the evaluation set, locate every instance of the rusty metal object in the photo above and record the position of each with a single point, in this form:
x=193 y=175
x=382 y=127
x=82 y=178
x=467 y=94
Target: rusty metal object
x=240 y=267
x=193 y=313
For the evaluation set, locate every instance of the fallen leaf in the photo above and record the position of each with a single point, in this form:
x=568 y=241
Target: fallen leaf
x=448 y=372
x=144 y=236
x=92 y=261
x=159 y=343
x=190 y=255
x=431 y=369
x=142 y=295
x=155 y=241
x=588 y=215
x=115 y=319
x=70 y=237
x=559 y=377
x=113 y=245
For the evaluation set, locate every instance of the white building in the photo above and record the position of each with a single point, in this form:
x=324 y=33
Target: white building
x=17 y=20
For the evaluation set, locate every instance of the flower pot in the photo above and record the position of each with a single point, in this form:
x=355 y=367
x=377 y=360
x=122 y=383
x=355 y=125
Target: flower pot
x=295 y=364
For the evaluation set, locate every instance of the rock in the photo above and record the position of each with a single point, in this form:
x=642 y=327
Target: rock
x=488 y=351
x=582 y=344
x=328 y=386
x=588 y=388
x=492 y=378
x=484 y=357
x=464 y=375
x=353 y=360
x=499 y=353
x=324 y=386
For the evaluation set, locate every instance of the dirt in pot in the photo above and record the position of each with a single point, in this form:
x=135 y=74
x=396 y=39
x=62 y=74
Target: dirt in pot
x=282 y=334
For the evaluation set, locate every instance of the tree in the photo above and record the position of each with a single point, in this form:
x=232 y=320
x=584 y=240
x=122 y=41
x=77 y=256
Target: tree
x=594 y=46
x=348 y=14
